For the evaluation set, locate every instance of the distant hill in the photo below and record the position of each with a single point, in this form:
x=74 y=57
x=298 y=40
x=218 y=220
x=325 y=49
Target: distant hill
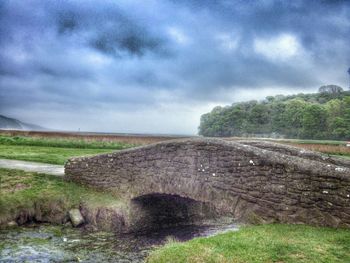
x=7 y=123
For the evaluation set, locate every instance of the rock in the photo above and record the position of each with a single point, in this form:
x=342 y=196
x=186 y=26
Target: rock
x=75 y=217
x=11 y=224
x=68 y=224
x=103 y=218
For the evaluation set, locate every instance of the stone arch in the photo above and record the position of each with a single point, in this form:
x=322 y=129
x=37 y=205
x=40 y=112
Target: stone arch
x=255 y=182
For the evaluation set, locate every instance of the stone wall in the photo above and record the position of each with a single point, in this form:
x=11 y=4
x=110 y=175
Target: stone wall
x=261 y=183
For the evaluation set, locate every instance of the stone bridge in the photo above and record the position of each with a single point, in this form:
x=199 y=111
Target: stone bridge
x=251 y=181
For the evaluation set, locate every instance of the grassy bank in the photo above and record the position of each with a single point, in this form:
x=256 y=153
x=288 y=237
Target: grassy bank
x=24 y=191
x=335 y=148
x=264 y=243
x=53 y=155
x=54 y=151
x=338 y=150
x=320 y=142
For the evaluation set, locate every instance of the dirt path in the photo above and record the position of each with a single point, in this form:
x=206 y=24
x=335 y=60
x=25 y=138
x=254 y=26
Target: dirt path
x=33 y=167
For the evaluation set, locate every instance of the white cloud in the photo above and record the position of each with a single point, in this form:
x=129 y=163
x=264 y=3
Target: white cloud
x=241 y=94
x=178 y=35
x=97 y=59
x=282 y=47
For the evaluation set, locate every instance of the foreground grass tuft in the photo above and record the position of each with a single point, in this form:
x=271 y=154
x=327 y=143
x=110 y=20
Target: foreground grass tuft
x=264 y=243
x=21 y=190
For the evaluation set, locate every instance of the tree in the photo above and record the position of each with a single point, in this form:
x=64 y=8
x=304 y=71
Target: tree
x=314 y=122
x=277 y=118
x=339 y=128
x=313 y=116
x=259 y=118
x=293 y=117
x=330 y=89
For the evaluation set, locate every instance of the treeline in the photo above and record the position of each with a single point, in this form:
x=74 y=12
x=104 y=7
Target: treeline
x=323 y=115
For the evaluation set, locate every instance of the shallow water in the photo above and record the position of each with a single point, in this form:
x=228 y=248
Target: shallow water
x=48 y=243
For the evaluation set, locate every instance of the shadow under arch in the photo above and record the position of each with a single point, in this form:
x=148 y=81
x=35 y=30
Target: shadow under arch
x=158 y=210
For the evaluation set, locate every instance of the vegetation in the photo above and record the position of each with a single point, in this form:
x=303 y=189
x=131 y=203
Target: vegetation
x=53 y=155
x=264 y=243
x=337 y=150
x=323 y=115
x=315 y=142
x=63 y=143
x=22 y=190
x=54 y=151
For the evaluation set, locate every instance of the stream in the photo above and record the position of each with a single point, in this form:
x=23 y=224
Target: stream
x=52 y=243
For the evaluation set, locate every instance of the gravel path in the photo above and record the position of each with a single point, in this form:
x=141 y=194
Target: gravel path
x=33 y=167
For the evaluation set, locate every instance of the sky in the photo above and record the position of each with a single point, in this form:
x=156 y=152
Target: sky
x=155 y=66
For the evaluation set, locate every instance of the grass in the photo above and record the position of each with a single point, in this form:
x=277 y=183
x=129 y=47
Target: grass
x=21 y=190
x=338 y=150
x=331 y=147
x=322 y=142
x=335 y=148
x=63 y=143
x=54 y=151
x=53 y=155
x=139 y=139
x=264 y=243
x=343 y=156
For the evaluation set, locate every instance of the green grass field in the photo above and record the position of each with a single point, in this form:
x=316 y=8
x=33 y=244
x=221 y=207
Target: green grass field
x=54 y=151
x=53 y=155
x=322 y=142
x=264 y=243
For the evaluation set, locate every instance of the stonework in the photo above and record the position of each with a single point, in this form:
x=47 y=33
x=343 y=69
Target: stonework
x=256 y=182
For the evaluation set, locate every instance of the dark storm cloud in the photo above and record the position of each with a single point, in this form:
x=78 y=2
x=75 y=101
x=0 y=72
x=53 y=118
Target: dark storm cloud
x=134 y=55
x=322 y=27
x=66 y=22
x=133 y=42
x=111 y=31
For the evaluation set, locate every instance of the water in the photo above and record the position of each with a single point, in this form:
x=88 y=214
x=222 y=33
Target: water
x=48 y=243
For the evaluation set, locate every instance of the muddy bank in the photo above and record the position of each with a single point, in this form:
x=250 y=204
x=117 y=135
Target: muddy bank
x=57 y=212
x=31 y=197
x=147 y=214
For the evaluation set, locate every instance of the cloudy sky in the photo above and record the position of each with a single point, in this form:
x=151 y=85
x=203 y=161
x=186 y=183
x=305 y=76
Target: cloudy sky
x=155 y=66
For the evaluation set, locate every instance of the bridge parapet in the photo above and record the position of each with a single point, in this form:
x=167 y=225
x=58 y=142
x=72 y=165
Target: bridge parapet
x=245 y=181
